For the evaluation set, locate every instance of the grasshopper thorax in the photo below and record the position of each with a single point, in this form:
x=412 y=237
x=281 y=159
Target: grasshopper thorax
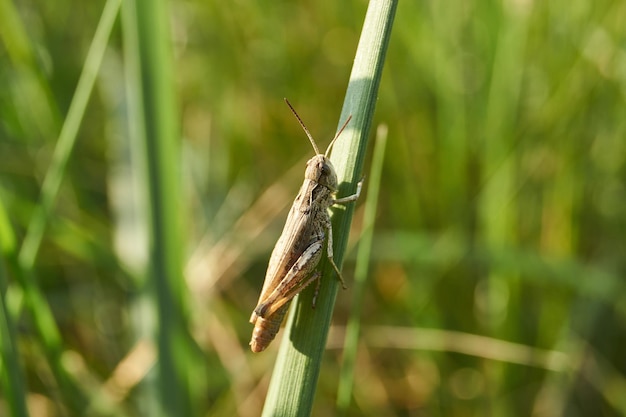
x=321 y=170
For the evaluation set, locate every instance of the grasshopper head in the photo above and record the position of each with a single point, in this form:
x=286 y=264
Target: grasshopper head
x=320 y=170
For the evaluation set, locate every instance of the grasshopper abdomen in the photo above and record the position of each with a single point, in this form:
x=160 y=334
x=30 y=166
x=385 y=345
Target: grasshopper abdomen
x=265 y=330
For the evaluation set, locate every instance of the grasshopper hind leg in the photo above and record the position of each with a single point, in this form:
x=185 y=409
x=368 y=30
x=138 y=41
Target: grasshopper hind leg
x=299 y=276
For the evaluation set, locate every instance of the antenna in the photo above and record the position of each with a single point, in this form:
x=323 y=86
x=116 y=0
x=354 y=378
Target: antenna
x=317 y=152
x=332 y=142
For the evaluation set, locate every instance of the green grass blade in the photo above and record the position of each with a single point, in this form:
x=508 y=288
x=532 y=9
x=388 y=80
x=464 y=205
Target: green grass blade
x=68 y=135
x=361 y=272
x=156 y=146
x=12 y=375
x=294 y=380
x=22 y=269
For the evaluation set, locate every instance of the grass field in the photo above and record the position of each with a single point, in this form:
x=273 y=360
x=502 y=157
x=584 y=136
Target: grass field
x=147 y=163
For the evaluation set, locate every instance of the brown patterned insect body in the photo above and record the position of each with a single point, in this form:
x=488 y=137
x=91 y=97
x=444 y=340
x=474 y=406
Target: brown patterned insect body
x=300 y=246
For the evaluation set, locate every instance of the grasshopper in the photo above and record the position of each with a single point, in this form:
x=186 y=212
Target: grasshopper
x=300 y=246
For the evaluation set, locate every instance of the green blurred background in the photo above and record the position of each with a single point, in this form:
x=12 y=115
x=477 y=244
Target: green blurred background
x=499 y=252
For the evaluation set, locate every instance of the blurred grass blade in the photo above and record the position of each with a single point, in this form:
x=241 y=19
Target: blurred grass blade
x=294 y=380
x=361 y=272
x=68 y=135
x=43 y=319
x=31 y=86
x=12 y=374
x=156 y=158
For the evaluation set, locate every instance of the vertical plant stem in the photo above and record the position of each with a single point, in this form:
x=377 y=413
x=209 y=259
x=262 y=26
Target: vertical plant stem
x=497 y=207
x=361 y=273
x=154 y=132
x=294 y=381
x=12 y=379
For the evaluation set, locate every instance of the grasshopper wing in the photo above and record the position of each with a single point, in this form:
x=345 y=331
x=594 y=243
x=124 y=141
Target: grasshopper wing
x=294 y=240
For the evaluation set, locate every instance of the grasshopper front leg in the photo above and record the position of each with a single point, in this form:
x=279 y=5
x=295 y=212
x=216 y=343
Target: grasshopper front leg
x=352 y=197
x=329 y=227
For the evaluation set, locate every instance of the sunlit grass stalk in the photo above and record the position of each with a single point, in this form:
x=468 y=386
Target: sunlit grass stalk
x=295 y=376
x=361 y=274
x=155 y=141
